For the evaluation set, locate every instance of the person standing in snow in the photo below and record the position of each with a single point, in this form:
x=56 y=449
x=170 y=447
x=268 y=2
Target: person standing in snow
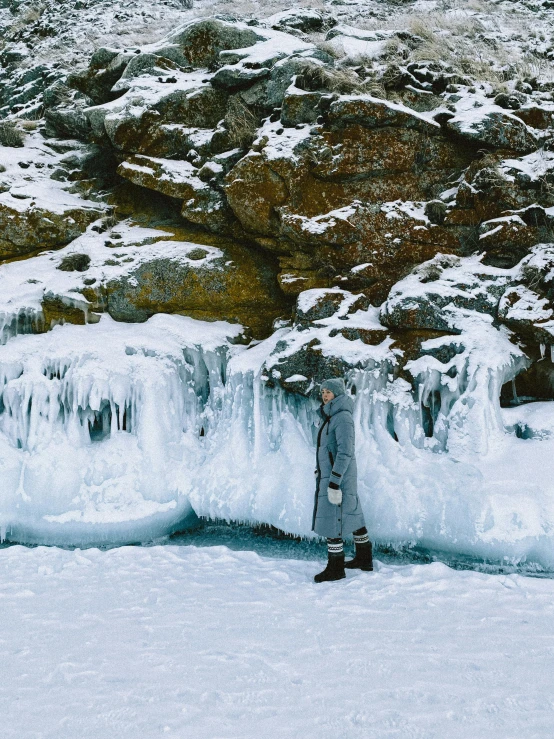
x=337 y=509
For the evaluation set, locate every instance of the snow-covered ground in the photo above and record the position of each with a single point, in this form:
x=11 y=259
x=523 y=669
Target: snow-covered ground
x=207 y=642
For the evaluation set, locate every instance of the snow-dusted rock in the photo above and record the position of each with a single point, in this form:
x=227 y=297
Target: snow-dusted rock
x=202 y=41
x=494 y=127
x=334 y=332
x=431 y=295
x=37 y=212
x=297 y=183
x=202 y=204
x=528 y=314
x=136 y=122
x=371 y=112
x=300 y=19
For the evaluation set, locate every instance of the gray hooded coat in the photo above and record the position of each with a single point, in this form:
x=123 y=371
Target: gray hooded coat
x=336 y=462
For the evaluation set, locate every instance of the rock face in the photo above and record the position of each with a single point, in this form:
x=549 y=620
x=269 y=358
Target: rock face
x=204 y=283
x=260 y=134
x=250 y=131
x=431 y=296
x=499 y=129
x=332 y=333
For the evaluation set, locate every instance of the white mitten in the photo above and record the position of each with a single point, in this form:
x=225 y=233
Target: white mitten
x=334 y=495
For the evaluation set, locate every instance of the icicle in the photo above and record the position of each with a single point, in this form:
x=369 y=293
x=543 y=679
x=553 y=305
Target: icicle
x=552 y=352
x=25 y=321
x=543 y=351
x=514 y=392
x=257 y=420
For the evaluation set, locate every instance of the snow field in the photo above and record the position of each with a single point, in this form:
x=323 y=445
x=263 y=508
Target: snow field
x=208 y=643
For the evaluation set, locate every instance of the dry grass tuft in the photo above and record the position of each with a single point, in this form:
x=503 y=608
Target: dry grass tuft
x=316 y=77
x=335 y=50
x=31 y=14
x=28 y=125
x=109 y=220
x=374 y=88
x=11 y=135
x=240 y=122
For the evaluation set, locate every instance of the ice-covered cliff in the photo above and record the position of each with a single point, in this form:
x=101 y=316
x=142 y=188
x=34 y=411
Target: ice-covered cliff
x=198 y=227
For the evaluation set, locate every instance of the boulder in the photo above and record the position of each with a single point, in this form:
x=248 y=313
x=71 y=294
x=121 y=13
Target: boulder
x=307 y=20
x=69 y=122
x=527 y=307
x=58 y=310
x=139 y=121
x=371 y=112
x=254 y=191
x=281 y=76
x=27 y=226
x=494 y=127
x=201 y=41
x=236 y=78
x=438 y=292
x=105 y=69
x=536 y=116
x=233 y=284
x=506 y=240
x=313 y=306
x=334 y=332
x=529 y=314
x=174 y=178
x=300 y=106
x=202 y=204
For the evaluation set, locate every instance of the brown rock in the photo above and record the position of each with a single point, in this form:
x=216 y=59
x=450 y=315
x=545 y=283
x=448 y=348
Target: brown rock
x=496 y=128
x=174 y=178
x=302 y=196
x=201 y=41
x=202 y=204
x=254 y=190
x=58 y=311
x=195 y=107
x=24 y=230
x=535 y=116
x=506 y=240
x=373 y=112
x=237 y=286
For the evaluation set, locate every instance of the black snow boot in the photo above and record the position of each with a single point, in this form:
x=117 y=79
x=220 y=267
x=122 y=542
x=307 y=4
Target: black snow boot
x=363 y=559
x=334 y=569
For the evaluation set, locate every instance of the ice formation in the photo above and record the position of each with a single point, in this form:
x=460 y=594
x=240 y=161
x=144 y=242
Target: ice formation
x=117 y=432
x=98 y=425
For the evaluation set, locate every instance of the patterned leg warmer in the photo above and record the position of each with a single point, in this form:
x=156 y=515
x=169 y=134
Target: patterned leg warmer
x=335 y=547
x=361 y=536
x=363 y=559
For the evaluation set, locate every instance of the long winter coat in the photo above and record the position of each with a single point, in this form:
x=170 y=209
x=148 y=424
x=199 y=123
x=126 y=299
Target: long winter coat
x=336 y=461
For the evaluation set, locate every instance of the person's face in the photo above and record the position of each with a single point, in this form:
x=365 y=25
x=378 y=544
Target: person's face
x=326 y=396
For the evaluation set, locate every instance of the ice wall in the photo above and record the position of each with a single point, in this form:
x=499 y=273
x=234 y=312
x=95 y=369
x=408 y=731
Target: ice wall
x=98 y=424
x=439 y=465
x=117 y=432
